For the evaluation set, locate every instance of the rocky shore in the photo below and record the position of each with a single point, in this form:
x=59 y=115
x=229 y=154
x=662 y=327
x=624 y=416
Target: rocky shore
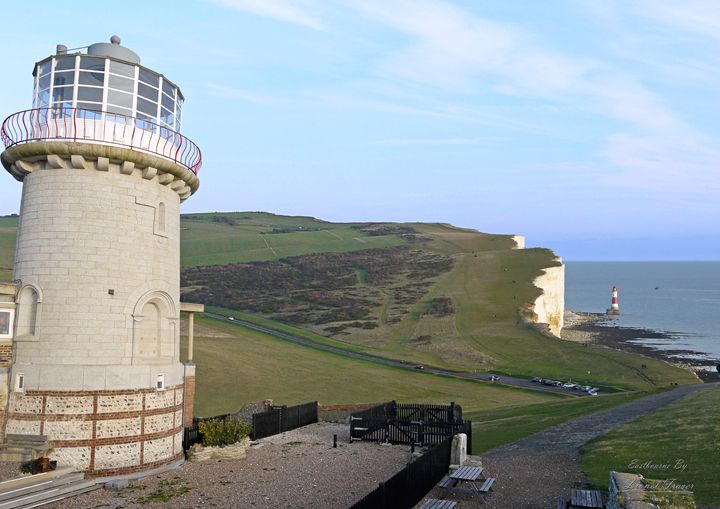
x=598 y=328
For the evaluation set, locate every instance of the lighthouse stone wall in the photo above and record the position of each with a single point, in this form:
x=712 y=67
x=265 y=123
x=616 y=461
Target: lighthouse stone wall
x=98 y=316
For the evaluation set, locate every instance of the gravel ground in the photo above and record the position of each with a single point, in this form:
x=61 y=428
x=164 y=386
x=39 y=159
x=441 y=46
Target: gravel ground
x=298 y=469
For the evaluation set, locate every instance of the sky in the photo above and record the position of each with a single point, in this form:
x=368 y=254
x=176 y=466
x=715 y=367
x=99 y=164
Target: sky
x=587 y=126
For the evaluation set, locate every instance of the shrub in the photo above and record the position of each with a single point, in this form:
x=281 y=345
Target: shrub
x=218 y=432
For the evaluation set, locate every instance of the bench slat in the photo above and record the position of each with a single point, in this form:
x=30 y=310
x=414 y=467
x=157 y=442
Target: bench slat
x=487 y=485
x=434 y=503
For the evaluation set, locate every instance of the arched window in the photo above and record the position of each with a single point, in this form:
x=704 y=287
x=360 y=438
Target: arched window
x=154 y=329
x=149 y=331
x=28 y=312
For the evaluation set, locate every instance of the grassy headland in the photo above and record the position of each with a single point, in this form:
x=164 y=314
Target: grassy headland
x=426 y=293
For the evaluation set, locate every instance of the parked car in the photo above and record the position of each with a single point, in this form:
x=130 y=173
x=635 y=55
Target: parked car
x=537 y=379
x=231 y=318
x=569 y=385
x=493 y=378
x=419 y=366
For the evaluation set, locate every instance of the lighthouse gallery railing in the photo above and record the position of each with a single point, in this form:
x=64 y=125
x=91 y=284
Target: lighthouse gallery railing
x=88 y=126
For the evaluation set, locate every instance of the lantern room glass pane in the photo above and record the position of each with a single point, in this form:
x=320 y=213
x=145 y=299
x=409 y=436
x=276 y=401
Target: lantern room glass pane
x=147 y=92
x=62 y=94
x=64 y=78
x=43 y=99
x=90 y=94
x=89 y=106
x=167 y=117
x=124 y=84
x=147 y=107
x=122 y=111
x=92 y=63
x=91 y=78
x=62 y=64
x=120 y=99
x=168 y=89
x=44 y=69
x=44 y=82
x=149 y=77
x=122 y=69
x=167 y=102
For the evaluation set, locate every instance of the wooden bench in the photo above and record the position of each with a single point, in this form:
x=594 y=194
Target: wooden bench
x=434 y=503
x=586 y=498
x=447 y=483
x=486 y=485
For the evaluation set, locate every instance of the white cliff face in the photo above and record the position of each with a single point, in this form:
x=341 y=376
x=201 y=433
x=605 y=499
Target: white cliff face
x=519 y=241
x=550 y=305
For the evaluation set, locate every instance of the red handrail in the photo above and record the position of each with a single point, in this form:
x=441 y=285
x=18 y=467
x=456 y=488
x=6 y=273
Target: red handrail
x=34 y=125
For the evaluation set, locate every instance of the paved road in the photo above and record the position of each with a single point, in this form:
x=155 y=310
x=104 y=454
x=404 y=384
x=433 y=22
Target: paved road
x=504 y=380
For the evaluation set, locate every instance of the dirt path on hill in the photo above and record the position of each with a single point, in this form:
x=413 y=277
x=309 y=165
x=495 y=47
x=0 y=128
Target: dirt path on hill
x=537 y=471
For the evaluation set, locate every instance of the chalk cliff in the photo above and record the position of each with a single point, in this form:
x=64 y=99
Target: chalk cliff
x=550 y=305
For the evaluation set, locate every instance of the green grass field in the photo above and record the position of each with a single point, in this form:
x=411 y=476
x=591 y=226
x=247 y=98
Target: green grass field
x=680 y=441
x=206 y=242
x=237 y=366
x=8 y=229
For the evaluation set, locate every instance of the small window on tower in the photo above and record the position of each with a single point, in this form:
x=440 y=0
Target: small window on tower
x=161 y=218
x=160 y=384
x=20 y=382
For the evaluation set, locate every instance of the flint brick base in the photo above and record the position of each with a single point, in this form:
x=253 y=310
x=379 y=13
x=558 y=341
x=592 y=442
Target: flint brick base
x=104 y=432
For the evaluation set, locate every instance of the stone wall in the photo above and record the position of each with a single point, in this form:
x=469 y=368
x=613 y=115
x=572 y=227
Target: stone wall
x=103 y=432
x=549 y=307
x=95 y=245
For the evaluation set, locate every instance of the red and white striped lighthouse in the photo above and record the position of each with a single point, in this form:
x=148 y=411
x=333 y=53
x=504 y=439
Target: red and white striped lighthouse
x=614 y=306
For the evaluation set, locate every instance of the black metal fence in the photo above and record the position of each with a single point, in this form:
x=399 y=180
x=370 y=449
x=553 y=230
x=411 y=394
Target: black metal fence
x=414 y=412
x=264 y=424
x=409 y=423
x=406 y=488
x=395 y=431
x=285 y=418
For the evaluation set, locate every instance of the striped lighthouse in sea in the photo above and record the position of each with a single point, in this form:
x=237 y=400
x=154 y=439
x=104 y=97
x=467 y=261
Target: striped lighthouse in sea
x=614 y=308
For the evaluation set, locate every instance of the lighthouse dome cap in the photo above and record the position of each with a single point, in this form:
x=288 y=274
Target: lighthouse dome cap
x=113 y=49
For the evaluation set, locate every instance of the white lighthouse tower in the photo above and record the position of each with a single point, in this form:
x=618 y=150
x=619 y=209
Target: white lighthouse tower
x=96 y=341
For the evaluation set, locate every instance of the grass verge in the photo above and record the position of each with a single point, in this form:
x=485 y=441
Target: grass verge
x=679 y=442
x=506 y=425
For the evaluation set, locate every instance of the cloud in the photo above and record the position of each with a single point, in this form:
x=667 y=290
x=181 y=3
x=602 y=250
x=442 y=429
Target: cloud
x=238 y=94
x=434 y=141
x=276 y=9
x=698 y=17
x=449 y=47
x=455 y=50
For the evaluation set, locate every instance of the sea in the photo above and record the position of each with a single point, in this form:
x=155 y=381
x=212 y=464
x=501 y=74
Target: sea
x=681 y=298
